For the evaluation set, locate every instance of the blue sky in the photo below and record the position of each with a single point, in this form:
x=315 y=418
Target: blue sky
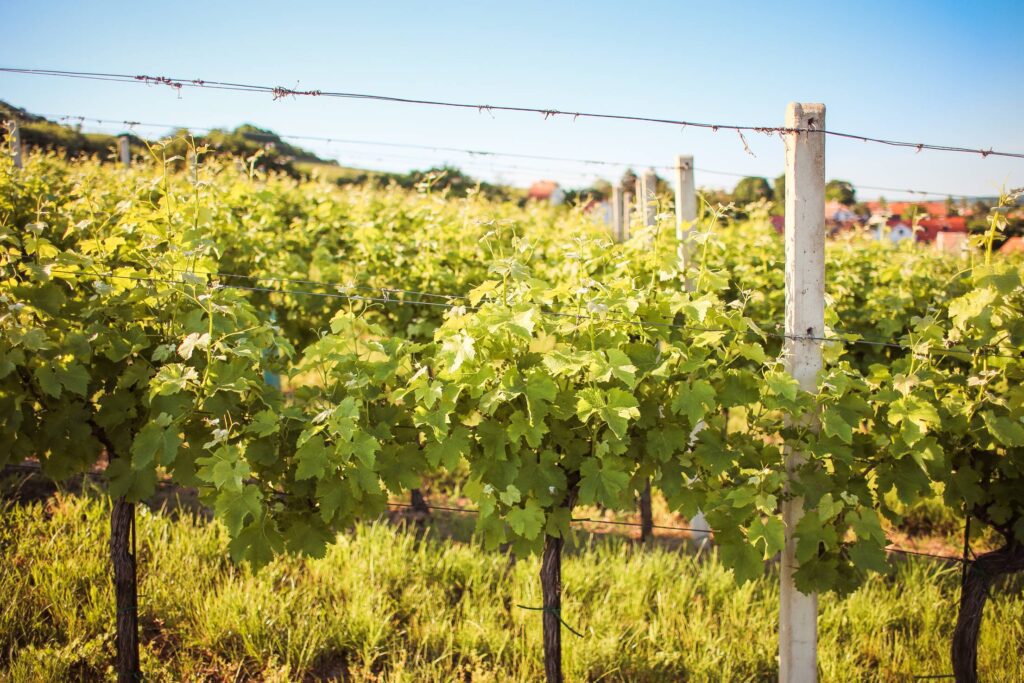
x=941 y=72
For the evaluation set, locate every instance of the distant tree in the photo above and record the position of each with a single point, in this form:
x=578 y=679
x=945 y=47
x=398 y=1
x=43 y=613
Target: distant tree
x=601 y=189
x=751 y=189
x=862 y=210
x=913 y=212
x=950 y=207
x=883 y=204
x=780 y=189
x=840 y=191
x=628 y=182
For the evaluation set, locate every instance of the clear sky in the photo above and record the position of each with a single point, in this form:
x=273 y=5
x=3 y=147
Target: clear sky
x=946 y=72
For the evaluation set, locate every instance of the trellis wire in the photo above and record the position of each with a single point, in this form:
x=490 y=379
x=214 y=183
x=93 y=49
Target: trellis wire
x=171 y=486
x=980 y=350
x=280 y=92
x=487 y=153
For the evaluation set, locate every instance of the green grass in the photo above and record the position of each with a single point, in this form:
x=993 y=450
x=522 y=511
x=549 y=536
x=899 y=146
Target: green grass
x=393 y=605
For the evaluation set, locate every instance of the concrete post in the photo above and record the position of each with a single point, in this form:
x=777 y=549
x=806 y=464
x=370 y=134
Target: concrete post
x=627 y=214
x=649 y=197
x=124 y=151
x=686 y=208
x=805 y=317
x=617 y=211
x=15 y=141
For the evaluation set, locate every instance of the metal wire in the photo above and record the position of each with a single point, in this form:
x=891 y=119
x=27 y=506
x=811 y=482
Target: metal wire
x=163 y=484
x=980 y=351
x=280 y=92
x=488 y=153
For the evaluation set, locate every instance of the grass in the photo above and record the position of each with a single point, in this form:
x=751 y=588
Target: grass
x=391 y=604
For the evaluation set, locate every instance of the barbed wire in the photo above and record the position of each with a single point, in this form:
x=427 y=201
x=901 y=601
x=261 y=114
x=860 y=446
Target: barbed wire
x=270 y=136
x=166 y=485
x=579 y=316
x=281 y=92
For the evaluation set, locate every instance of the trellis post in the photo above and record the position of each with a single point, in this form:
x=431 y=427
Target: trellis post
x=805 y=326
x=648 y=196
x=617 y=214
x=686 y=208
x=627 y=214
x=15 y=142
x=124 y=151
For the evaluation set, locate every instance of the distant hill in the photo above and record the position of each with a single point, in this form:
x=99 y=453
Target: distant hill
x=244 y=141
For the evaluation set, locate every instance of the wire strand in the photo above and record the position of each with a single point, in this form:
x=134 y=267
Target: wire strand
x=280 y=92
x=561 y=314
x=485 y=153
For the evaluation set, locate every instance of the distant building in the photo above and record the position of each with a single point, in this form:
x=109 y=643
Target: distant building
x=894 y=229
x=952 y=242
x=1012 y=246
x=930 y=227
x=547 y=191
x=934 y=209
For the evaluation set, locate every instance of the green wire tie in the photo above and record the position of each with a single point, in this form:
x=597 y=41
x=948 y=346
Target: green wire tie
x=555 y=611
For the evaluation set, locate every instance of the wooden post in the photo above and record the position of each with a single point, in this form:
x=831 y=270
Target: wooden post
x=15 y=142
x=617 y=212
x=551 y=591
x=124 y=150
x=805 y=319
x=649 y=197
x=686 y=208
x=122 y=556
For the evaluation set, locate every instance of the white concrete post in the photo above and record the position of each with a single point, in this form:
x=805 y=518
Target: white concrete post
x=15 y=141
x=124 y=151
x=639 y=194
x=627 y=214
x=686 y=208
x=805 y=317
x=617 y=212
x=648 y=203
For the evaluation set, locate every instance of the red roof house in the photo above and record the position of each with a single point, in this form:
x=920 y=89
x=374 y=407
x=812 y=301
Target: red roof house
x=1012 y=246
x=930 y=227
x=546 y=191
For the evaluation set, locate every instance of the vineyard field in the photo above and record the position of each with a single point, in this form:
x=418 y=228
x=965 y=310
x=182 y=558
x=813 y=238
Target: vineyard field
x=304 y=355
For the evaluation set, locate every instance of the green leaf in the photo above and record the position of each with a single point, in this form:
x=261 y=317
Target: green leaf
x=312 y=459
x=171 y=379
x=224 y=468
x=192 y=342
x=510 y=496
x=833 y=423
x=744 y=560
x=526 y=521
x=694 y=400
x=457 y=350
x=235 y=507
x=257 y=543
x=915 y=417
x=335 y=499
x=869 y=554
x=365 y=447
x=602 y=481
x=48 y=380
x=307 y=537
x=769 y=532
x=450 y=451
x=782 y=384
x=74 y=378
x=157 y=441
x=1007 y=431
